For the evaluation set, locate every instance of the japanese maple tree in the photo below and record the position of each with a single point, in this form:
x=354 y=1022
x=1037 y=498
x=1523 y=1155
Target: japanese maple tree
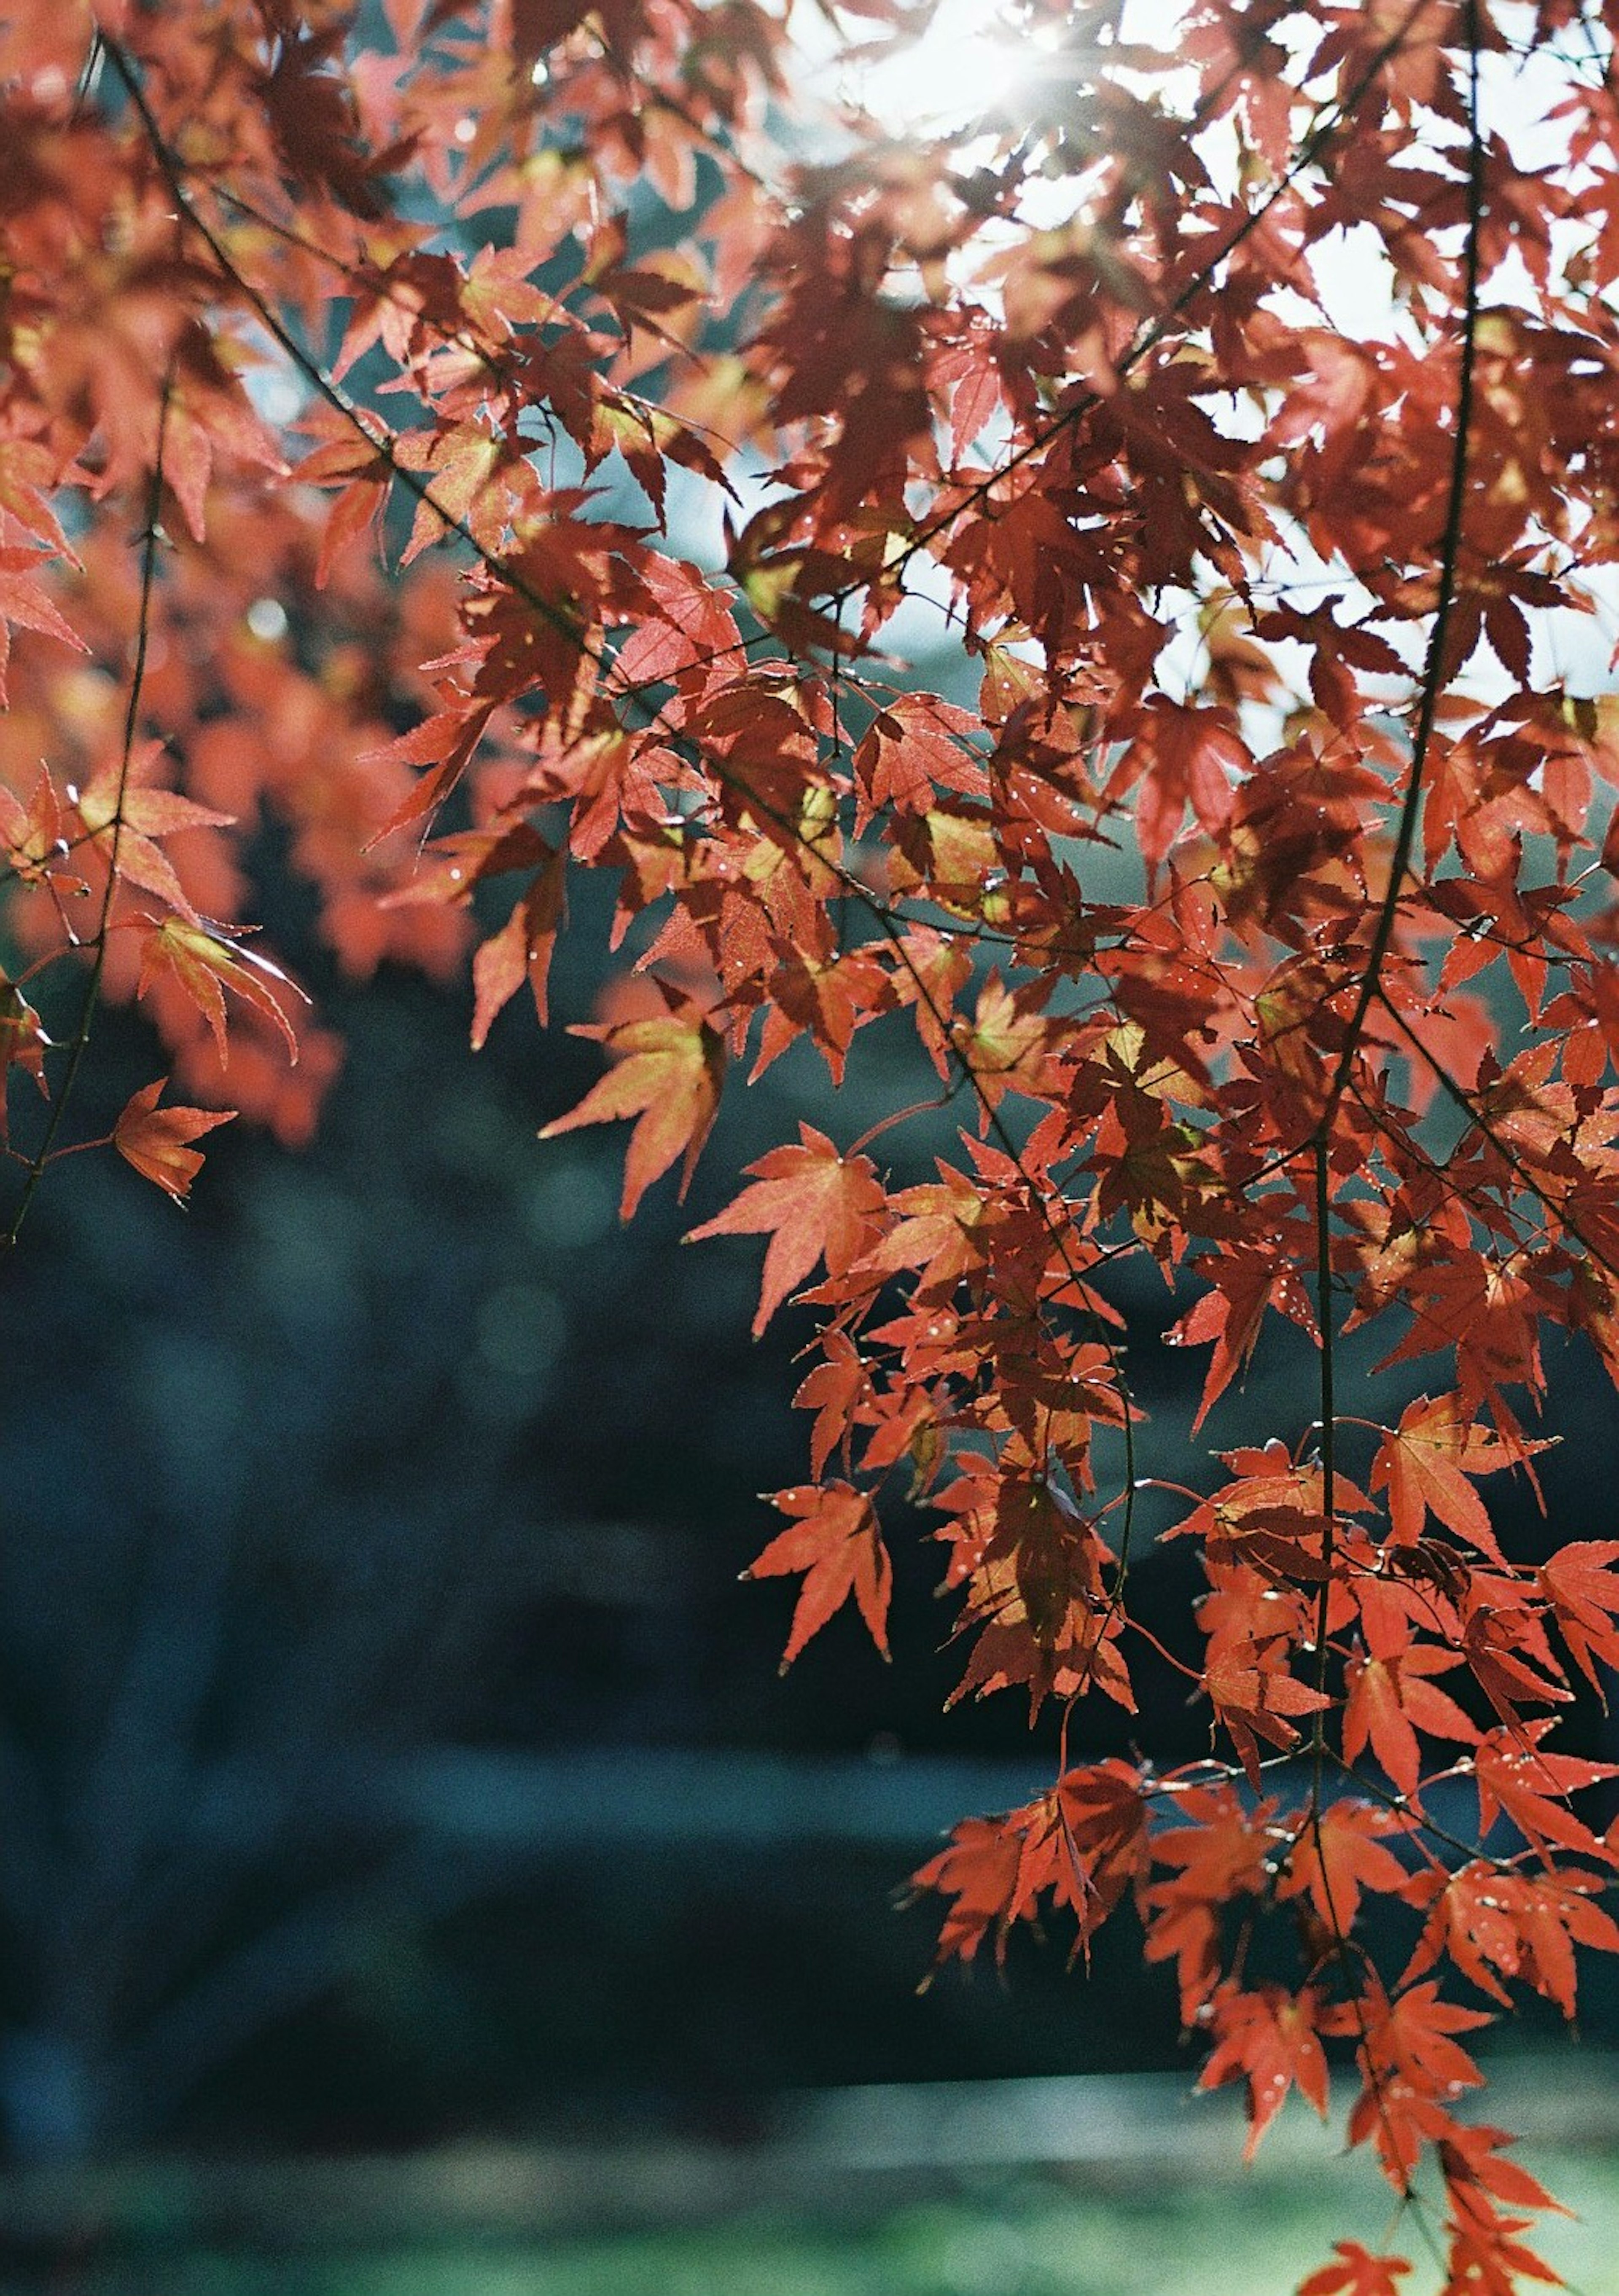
x=494 y=440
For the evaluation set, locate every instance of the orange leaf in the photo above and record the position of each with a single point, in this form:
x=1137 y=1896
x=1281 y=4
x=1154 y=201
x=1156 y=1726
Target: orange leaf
x=667 y=1075
x=204 y=964
x=979 y=1871
x=1513 y=1776
x=1584 y=1593
x=1358 y=2273
x=1341 y=1854
x=812 y=1203
x=1426 y=1465
x=23 y=1045
x=23 y=601
x=835 y=1541
x=520 y=951
x=154 y=1139
x=1271 y=2038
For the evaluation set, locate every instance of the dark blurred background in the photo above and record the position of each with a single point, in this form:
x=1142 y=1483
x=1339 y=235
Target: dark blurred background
x=388 y=1748
x=389 y=1753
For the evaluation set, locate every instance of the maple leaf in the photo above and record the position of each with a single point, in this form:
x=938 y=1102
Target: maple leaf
x=1221 y=1856
x=204 y=962
x=910 y=750
x=25 y=468
x=1412 y=2068
x=1104 y=1812
x=904 y=1425
x=1357 y=2273
x=1389 y=1698
x=1253 y=1694
x=835 y=1540
x=1230 y=1316
x=364 y=474
x=458 y=468
x=1416 y=2034
x=1003 y=1045
x=1056 y=1557
x=1079 y=1653
x=23 y=1045
x=1428 y=1465
x=311 y=113
x=125 y=816
x=938 y=1232
x=207 y=411
x=27 y=604
x=1081 y=1844
x=668 y=1074
x=447 y=741
x=1100 y=1814
x=1521 y=1925
x=1340 y=1853
x=813 y=1203
x=1271 y=2039
x=1469 y=2154
x=1514 y=1775
x=1584 y=1598
x=1269 y=1520
x=832 y=1390
x=521 y=950
x=154 y=1139
x=1181 y=755
x=1506 y=1648
x=979 y=1873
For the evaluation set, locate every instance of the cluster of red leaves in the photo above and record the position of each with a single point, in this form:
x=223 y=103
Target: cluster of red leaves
x=1260 y=913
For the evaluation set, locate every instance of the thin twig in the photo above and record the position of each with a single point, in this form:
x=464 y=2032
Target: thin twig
x=1435 y=678
x=79 y=1044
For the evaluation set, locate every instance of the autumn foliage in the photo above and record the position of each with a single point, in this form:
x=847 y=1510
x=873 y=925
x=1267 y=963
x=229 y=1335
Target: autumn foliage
x=492 y=439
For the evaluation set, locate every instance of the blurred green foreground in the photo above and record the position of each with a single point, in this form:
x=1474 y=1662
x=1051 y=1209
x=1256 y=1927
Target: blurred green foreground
x=1104 y=2188
x=1011 y=2244
x=1020 y=2240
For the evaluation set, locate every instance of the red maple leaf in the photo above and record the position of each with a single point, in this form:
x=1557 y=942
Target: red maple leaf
x=1582 y=1594
x=26 y=602
x=1495 y=1924
x=204 y=962
x=1181 y=755
x=1357 y=2273
x=979 y=1872
x=813 y=1203
x=1390 y=1699
x=1272 y=2039
x=667 y=1075
x=832 y=1390
x=1428 y=1465
x=520 y=951
x=835 y=1540
x=154 y=1139
x=1342 y=1852
x=1531 y=1787
x=1254 y=1694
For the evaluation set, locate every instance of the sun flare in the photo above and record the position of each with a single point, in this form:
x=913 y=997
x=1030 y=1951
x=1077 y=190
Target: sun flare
x=968 y=64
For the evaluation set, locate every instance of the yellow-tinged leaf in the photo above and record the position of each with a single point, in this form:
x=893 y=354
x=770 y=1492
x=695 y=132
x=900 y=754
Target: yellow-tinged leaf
x=204 y=964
